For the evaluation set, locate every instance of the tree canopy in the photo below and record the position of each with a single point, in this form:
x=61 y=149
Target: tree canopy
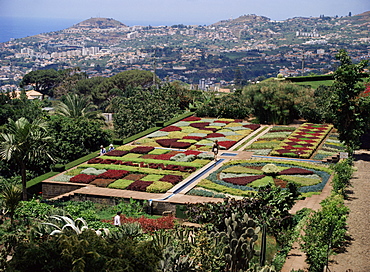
x=349 y=107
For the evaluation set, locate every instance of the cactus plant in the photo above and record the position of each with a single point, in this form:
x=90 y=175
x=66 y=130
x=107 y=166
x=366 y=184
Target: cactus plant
x=241 y=236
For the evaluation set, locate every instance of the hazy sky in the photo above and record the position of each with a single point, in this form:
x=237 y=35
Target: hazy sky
x=175 y=11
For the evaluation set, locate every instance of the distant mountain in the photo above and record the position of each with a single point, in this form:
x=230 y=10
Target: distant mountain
x=244 y=19
x=99 y=23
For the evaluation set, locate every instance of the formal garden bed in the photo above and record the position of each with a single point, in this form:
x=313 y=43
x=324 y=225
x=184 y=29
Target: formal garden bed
x=195 y=133
x=138 y=168
x=272 y=138
x=330 y=147
x=244 y=177
x=301 y=142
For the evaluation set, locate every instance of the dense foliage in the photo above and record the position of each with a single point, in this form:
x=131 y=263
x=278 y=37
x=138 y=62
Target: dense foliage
x=277 y=102
x=143 y=108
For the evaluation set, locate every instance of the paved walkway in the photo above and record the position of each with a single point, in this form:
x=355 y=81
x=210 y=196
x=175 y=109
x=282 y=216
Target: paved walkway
x=355 y=257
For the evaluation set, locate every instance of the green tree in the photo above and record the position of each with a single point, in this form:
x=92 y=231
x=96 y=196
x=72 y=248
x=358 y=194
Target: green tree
x=76 y=137
x=25 y=142
x=276 y=102
x=42 y=81
x=75 y=106
x=351 y=115
x=141 y=110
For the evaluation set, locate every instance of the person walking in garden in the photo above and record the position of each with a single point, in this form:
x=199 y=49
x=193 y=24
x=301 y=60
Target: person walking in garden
x=117 y=219
x=111 y=147
x=102 y=150
x=215 y=149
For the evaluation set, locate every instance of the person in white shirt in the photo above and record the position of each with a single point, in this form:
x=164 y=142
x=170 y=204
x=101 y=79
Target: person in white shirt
x=117 y=219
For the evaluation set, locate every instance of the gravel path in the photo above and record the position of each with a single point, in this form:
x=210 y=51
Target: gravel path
x=356 y=257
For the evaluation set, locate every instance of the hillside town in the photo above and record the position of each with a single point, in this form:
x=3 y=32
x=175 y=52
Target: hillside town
x=239 y=50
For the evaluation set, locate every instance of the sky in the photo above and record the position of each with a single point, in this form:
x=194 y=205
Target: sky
x=158 y=12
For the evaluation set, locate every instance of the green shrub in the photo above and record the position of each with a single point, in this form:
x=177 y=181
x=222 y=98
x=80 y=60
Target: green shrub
x=327 y=224
x=120 y=184
x=74 y=172
x=152 y=177
x=58 y=168
x=159 y=187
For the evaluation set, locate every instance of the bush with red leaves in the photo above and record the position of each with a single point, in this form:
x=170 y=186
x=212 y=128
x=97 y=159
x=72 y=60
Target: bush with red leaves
x=215 y=135
x=116 y=153
x=197 y=138
x=142 y=149
x=165 y=157
x=166 y=142
x=227 y=144
x=113 y=174
x=296 y=171
x=199 y=125
x=139 y=185
x=171 y=128
x=220 y=121
x=180 y=145
x=192 y=152
x=173 y=179
x=243 y=180
x=94 y=160
x=149 y=224
x=82 y=178
x=192 y=118
x=211 y=129
x=252 y=126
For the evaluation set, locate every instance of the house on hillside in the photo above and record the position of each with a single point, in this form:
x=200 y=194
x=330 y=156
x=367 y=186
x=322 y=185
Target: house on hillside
x=32 y=94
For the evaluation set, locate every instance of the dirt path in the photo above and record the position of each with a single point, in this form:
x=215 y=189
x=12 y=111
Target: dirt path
x=356 y=257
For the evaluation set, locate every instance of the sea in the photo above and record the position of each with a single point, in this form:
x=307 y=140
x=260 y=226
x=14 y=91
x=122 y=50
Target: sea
x=16 y=27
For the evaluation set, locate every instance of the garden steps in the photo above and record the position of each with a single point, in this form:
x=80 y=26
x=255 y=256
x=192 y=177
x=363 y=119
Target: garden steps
x=331 y=159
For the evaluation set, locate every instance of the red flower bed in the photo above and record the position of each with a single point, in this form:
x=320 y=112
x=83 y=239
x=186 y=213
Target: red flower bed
x=150 y=225
x=113 y=174
x=192 y=152
x=94 y=160
x=171 y=128
x=173 y=179
x=199 y=125
x=252 y=126
x=227 y=144
x=139 y=185
x=211 y=129
x=243 y=180
x=82 y=178
x=102 y=182
x=220 y=121
x=116 y=153
x=193 y=138
x=142 y=149
x=166 y=142
x=165 y=157
x=192 y=118
x=296 y=171
x=181 y=145
x=109 y=161
x=215 y=135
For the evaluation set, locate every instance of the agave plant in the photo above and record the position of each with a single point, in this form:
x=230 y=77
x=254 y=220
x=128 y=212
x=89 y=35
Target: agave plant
x=63 y=224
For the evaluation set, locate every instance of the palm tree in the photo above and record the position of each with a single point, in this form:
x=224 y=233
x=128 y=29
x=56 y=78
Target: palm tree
x=76 y=106
x=10 y=196
x=24 y=142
